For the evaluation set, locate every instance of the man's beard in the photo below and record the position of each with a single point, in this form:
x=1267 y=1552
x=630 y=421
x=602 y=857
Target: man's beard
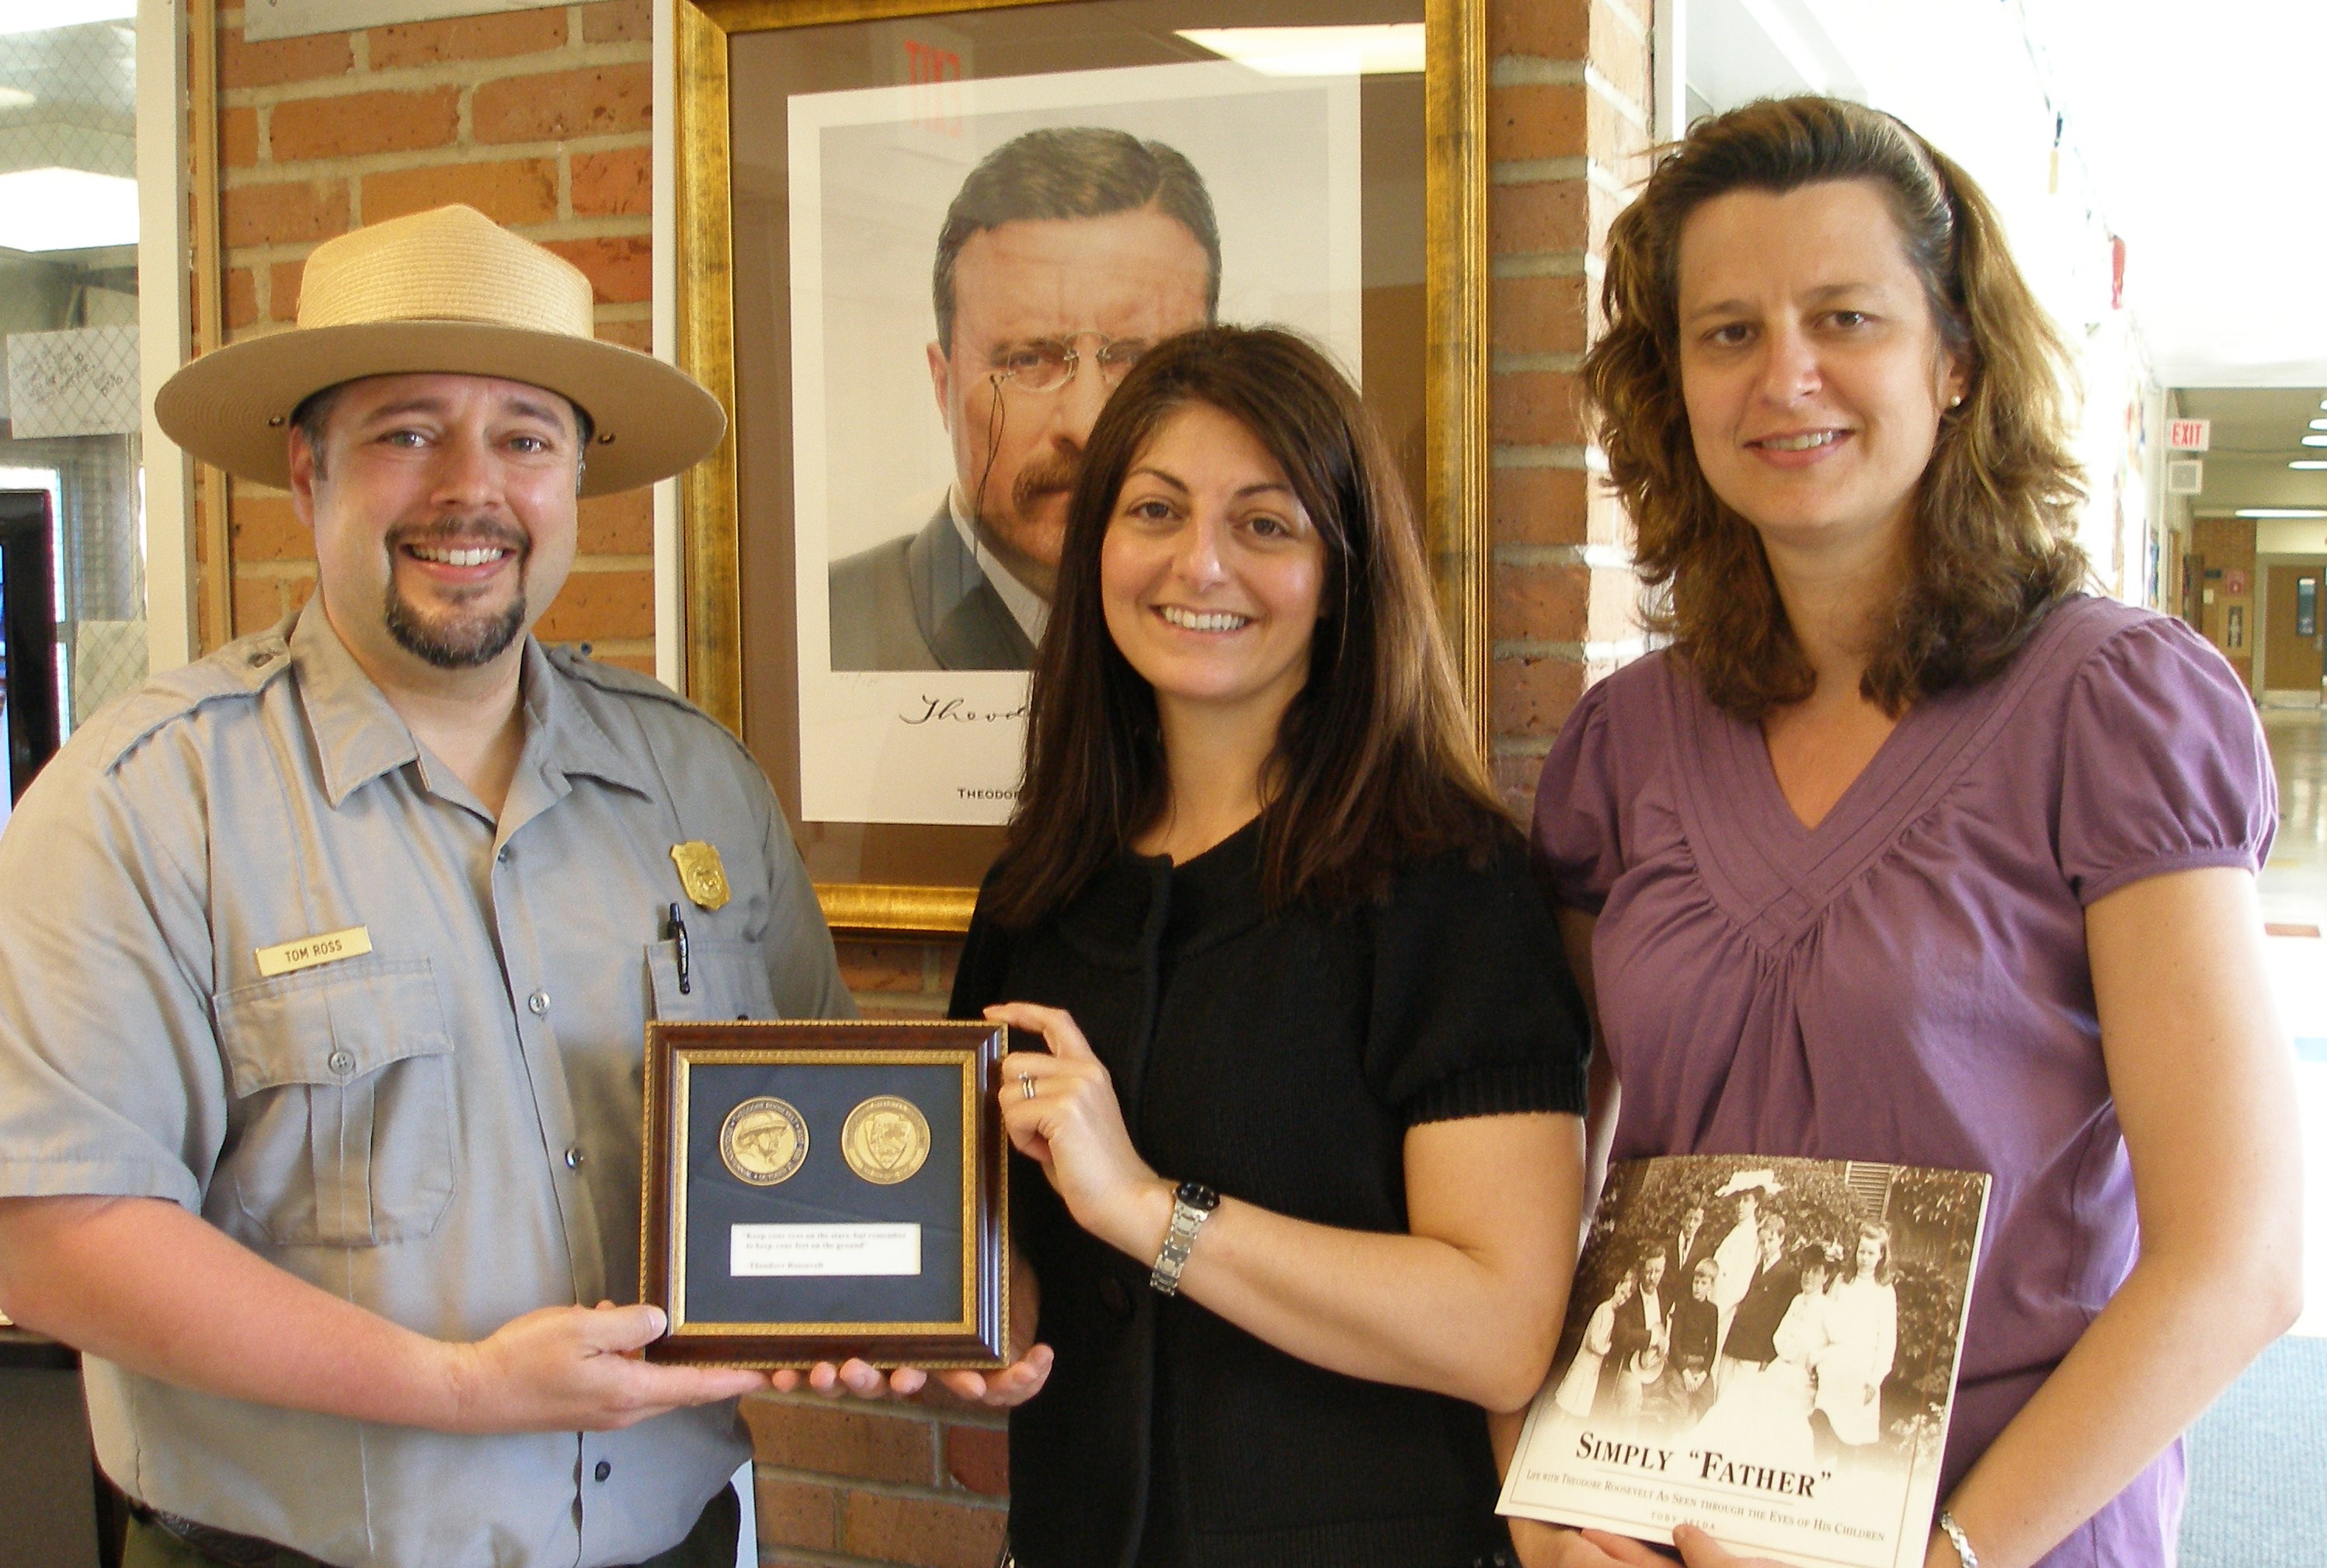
x=461 y=641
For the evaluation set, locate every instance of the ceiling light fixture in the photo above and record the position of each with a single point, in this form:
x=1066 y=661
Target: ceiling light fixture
x=47 y=16
x=15 y=97
x=2266 y=512
x=2309 y=464
x=1387 y=49
x=69 y=209
x=2314 y=441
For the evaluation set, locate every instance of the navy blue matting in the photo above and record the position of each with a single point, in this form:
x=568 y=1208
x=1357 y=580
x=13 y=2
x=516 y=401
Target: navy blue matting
x=823 y=1192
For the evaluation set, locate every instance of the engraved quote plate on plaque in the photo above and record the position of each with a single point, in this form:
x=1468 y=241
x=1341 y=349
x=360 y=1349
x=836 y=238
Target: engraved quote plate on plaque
x=818 y=1191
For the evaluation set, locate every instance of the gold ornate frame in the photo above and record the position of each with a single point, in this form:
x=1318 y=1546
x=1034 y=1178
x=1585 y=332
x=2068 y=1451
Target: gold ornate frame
x=1455 y=396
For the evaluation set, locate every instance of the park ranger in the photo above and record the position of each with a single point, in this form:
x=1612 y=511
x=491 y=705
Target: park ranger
x=325 y=964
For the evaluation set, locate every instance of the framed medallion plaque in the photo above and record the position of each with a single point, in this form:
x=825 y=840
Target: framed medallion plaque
x=818 y=1191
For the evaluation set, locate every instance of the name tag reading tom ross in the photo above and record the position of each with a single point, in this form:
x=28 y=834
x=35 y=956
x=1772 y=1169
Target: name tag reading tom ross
x=289 y=957
x=815 y=1191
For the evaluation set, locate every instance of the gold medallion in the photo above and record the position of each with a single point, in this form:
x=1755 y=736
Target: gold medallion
x=763 y=1141
x=885 y=1140
x=700 y=873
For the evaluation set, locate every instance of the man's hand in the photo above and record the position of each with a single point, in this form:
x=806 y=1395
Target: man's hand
x=578 y=1369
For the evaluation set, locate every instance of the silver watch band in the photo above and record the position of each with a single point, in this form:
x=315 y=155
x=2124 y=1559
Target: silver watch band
x=1957 y=1539
x=1179 y=1241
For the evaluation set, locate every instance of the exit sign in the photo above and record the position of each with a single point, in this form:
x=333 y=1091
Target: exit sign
x=2189 y=434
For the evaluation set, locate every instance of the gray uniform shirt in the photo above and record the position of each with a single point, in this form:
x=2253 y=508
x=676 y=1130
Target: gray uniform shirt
x=444 y=1130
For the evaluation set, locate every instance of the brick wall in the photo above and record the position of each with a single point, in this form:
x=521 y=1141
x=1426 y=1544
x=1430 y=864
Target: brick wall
x=1567 y=113
x=539 y=120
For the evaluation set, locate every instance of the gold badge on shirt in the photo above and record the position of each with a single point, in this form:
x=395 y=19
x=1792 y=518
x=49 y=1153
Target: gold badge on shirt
x=700 y=873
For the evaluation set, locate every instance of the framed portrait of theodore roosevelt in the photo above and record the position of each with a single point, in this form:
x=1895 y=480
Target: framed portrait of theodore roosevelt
x=920 y=241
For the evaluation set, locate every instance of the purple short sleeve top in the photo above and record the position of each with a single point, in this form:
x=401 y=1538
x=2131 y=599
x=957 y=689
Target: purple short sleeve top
x=1908 y=981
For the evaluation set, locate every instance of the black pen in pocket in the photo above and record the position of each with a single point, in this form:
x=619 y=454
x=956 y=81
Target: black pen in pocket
x=678 y=940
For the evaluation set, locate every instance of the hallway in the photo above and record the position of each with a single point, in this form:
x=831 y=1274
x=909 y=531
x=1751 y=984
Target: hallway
x=2294 y=906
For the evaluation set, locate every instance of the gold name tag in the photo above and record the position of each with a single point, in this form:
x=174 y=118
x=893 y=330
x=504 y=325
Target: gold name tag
x=286 y=958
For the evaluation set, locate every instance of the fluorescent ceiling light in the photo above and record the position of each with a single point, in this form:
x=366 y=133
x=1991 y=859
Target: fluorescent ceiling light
x=41 y=15
x=2319 y=424
x=15 y=97
x=2314 y=441
x=2280 y=512
x=66 y=210
x=2308 y=464
x=1387 y=49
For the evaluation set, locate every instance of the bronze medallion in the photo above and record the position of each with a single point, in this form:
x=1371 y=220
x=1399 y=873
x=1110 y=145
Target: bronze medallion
x=700 y=873
x=885 y=1140
x=764 y=1141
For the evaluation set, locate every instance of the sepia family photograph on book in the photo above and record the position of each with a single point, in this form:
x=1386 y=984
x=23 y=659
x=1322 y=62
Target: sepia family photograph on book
x=1762 y=1346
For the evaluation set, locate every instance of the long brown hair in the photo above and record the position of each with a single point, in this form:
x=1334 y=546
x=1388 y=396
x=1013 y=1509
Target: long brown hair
x=1374 y=767
x=1993 y=546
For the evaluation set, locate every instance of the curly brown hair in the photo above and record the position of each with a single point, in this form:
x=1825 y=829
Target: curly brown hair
x=1993 y=546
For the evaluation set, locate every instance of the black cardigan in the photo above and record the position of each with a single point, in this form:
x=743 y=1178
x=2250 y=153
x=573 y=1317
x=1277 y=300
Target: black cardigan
x=1281 y=1060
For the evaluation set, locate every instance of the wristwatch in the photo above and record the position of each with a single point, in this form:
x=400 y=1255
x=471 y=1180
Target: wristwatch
x=1192 y=1203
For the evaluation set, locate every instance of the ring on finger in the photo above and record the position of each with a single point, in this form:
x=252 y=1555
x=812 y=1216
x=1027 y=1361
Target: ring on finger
x=1026 y=1085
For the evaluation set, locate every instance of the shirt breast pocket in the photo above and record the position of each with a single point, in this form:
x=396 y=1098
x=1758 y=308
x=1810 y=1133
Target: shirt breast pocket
x=341 y=1133
x=725 y=980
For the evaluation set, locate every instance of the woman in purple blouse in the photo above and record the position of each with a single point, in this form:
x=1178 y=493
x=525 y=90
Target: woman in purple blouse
x=1907 y=850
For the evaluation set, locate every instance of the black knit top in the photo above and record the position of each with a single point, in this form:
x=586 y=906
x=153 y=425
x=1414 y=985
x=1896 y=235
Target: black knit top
x=1279 y=1058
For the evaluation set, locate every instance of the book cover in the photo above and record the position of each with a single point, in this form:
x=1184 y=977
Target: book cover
x=1764 y=1348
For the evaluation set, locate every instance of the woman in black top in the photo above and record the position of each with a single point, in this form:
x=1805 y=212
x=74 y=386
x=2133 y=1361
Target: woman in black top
x=1259 y=901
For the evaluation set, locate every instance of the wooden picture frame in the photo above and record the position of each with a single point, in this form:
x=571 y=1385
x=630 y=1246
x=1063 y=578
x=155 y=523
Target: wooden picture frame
x=821 y=1193
x=921 y=880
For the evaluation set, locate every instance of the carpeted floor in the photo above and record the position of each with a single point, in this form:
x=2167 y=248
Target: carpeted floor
x=2258 y=1467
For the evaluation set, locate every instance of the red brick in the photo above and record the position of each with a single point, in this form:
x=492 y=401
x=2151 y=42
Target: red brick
x=1533 y=696
x=1553 y=29
x=881 y=966
x=1539 y=506
x=601 y=604
x=618 y=22
x=240 y=298
x=260 y=601
x=620 y=181
x=1544 y=121
x=521 y=191
x=1541 y=603
x=978 y=1458
x=1617 y=140
x=467 y=37
x=239 y=137
x=294 y=212
x=276 y=60
x=1515 y=782
x=364 y=122
x=621 y=267
x=1540 y=216
x=792 y=1514
x=266 y=529
x=840 y=1441
x=617 y=525
x=637 y=334
x=1535 y=408
x=283 y=281
x=1538 y=315
x=599 y=101
x=1623 y=56
x=925 y=1534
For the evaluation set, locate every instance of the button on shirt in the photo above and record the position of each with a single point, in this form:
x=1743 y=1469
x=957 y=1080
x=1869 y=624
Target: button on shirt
x=444 y=1130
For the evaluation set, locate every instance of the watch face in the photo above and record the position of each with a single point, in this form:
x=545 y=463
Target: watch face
x=1196 y=1195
